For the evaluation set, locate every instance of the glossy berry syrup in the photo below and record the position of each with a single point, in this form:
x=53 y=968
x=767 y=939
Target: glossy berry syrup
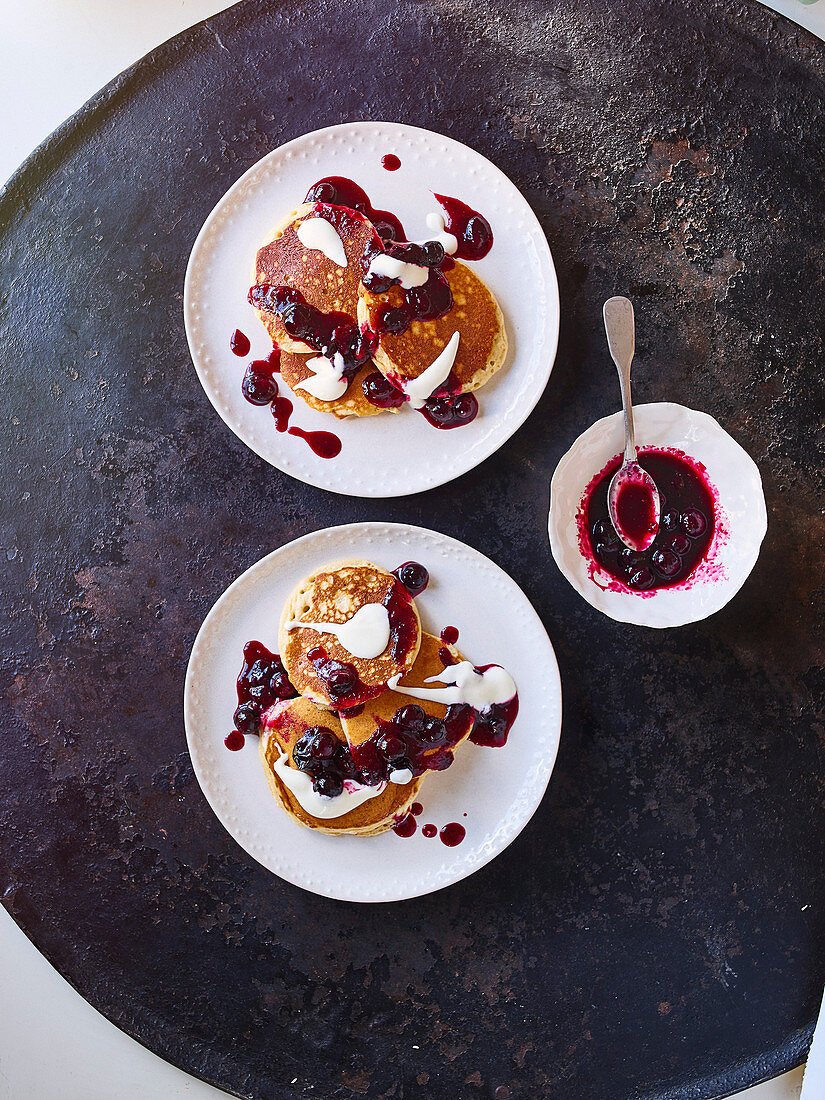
x=259 y=386
x=327 y=760
x=493 y=723
x=323 y=444
x=379 y=391
x=340 y=678
x=686 y=525
x=447 y=409
x=406 y=826
x=261 y=682
x=412 y=740
x=429 y=830
x=340 y=191
x=239 y=343
x=449 y=635
x=473 y=232
x=452 y=834
x=420 y=303
x=329 y=334
x=413 y=576
x=391 y=162
x=635 y=511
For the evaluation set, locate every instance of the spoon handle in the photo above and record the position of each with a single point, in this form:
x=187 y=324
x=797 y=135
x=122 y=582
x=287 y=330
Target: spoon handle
x=620 y=327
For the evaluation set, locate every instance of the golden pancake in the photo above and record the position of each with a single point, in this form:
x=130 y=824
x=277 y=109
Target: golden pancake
x=360 y=727
x=352 y=403
x=475 y=316
x=319 y=666
x=284 y=725
x=285 y=261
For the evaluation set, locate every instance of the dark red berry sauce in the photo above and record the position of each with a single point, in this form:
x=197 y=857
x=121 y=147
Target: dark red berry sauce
x=446 y=657
x=406 y=826
x=473 y=232
x=413 y=576
x=326 y=759
x=412 y=740
x=391 y=162
x=262 y=681
x=452 y=834
x=493 y=723
x=449 y=635
x=323 y=444
x=234 y=740
x=429 y=830
x=420 y=303
x=239 y=343
x=636 y=511
x=686 y=525
x=379 y=391
x=281 y=411
x=416 y=808
x=447 y=408
x=340 y=191
x=341 y=680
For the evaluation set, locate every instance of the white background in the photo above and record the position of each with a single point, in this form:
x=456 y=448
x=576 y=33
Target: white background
x=54 y=54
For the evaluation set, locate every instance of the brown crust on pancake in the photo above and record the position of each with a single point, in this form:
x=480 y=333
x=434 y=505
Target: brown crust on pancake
x=475 y=315
x=285 y=261
x=334 y=593
x=353 y=402
x=285 y=723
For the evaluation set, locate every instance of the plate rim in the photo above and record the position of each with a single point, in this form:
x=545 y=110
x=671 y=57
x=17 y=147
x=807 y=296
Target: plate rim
x=483 y=856
x=524 y=409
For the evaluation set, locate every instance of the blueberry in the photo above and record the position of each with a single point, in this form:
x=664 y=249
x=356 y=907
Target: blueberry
x=385 y=231
x=465 y=406
x=694 y=522
x=433 y=253
x=670 y=520
x=391 y=747
x=394 y=320
x=666 y=563
x=629 y=559
x=679 y=543
x=247 y=718
x=258 y=388
x=323 y=744
x=410 y=717
x=413 y=576
x=433 y=730
x=642 y=578
x=340 y=683
x=328 y=785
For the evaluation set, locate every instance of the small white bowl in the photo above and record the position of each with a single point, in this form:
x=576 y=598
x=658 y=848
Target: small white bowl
x=740 y=526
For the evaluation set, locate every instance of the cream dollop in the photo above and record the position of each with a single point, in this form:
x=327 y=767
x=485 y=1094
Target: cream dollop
x=327 y=381
x=409 y=275
x=365 y=635
x=319 y=235
x=477 y=689
x=448 y=241
x=319 y=805
x=420 y=388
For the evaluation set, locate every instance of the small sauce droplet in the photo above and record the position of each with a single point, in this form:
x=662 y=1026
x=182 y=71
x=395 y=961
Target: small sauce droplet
x=416 y=808
x=429 y=830
x=452 y=834
x=391 y=162
x=324 y=444
x=234 y=741
x=406 y=826
x=449 y=635
x=239 y=343
x=282 y=410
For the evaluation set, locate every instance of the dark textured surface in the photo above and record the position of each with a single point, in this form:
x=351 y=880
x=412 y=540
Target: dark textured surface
x=657 y=929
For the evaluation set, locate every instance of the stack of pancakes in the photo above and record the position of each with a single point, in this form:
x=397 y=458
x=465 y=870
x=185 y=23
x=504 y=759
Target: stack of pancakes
x=331 y=288
x=334 y=594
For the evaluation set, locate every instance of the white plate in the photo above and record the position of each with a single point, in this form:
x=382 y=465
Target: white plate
x=498 y=789
x=375 y=460
x=739 y=531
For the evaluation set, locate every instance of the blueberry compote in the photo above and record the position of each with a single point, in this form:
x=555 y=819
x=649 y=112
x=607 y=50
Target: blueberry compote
x=635 y=511
x=323 y=444
x=420 y=303
x=447 y=408
x=341 y=680
x=261 y=682
x=414 y=741
x=473 y=232
x=379 y=391
x=329 y=334
x=259 y=386
x=686 y=525
x=493 y=723
x=340 y=191
x=413 y=576
x=327 y=760
x=239 y=343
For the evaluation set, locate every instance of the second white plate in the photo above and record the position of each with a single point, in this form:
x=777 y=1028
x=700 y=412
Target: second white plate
x=497 y=789
x=381 y=456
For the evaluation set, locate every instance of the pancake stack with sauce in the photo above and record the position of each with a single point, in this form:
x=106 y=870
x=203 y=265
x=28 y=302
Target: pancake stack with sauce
x=367 y=323
x=349 y=754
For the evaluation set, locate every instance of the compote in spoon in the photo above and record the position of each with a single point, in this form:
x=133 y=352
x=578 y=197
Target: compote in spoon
x=632 y=496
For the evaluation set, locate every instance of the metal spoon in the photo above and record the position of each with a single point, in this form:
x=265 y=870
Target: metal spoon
x=621 y=339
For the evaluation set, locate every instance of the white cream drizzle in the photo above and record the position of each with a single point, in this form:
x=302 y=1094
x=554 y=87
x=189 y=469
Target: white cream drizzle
x=319 y=235
x=448 y=241
x=477 y=689
x=410 y=275
x=319 y=805
x=401 y=775
x=420 y=388
x=327 y=381
x=365 y=635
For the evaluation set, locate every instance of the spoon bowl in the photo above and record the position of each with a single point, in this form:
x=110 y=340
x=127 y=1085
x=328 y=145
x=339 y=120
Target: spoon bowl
x=632 y=498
